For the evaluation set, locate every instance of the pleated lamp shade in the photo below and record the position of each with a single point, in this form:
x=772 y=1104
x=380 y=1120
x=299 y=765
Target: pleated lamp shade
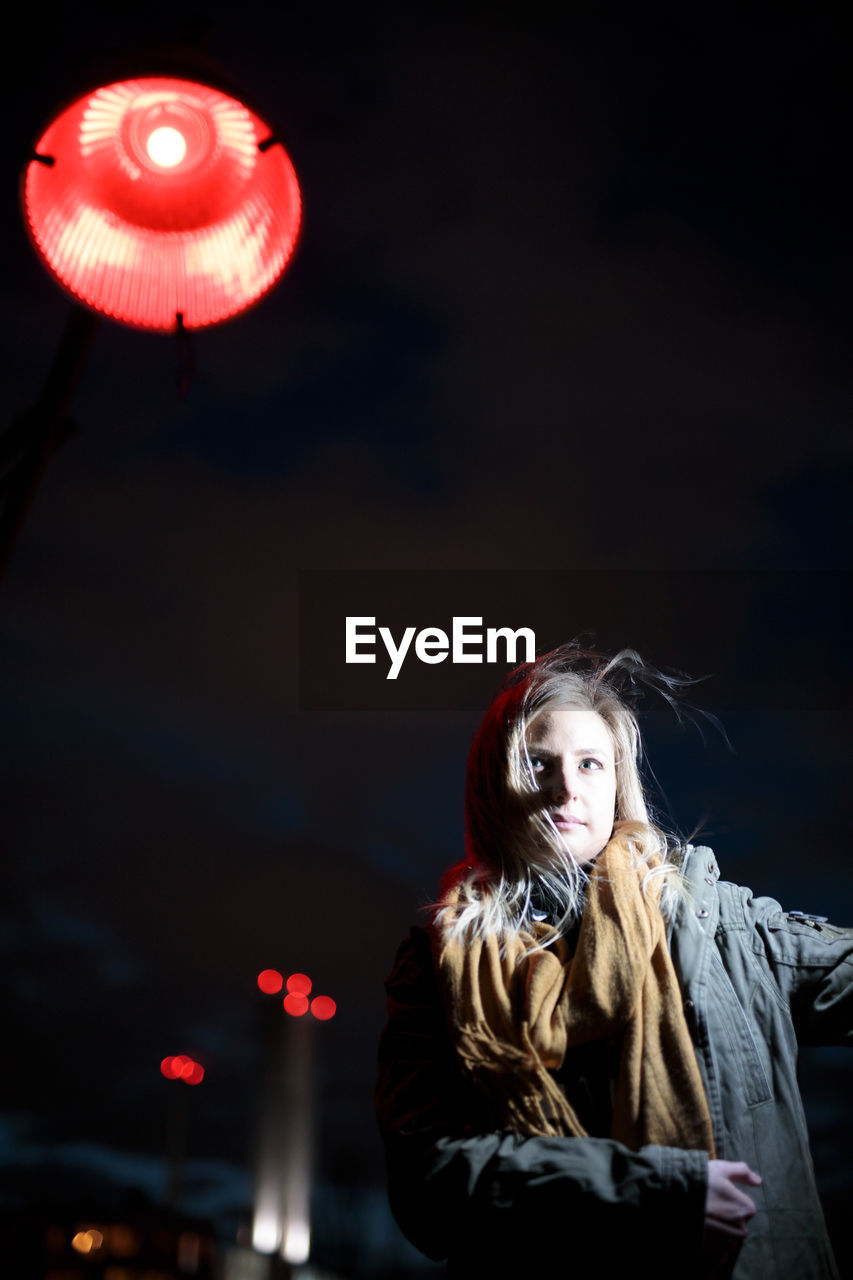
x=158 y=198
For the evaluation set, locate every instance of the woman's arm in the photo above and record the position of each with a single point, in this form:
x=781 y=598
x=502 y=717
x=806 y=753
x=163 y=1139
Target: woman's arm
x=811 y=963
x=457 y=1188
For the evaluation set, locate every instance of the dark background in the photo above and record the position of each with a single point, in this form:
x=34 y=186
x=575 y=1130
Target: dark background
x=567 y=328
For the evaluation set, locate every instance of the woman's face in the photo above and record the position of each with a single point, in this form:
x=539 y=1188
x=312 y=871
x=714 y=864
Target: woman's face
x=571 y=752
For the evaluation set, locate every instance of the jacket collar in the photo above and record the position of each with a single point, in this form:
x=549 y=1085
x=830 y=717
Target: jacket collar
x=696 y=918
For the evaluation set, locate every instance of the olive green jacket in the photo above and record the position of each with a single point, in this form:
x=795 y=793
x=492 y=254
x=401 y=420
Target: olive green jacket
x=755 y=981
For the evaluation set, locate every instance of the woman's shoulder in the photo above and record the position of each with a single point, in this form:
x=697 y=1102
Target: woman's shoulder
x=696 y=861
x=413 y=969
x=739 y=908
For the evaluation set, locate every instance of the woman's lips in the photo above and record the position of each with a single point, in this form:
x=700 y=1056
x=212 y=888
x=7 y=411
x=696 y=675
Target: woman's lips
x=567 y=820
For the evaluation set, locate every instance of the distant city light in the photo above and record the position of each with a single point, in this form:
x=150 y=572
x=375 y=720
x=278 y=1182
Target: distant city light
x=299 y=984
x=181 y=1067
x=297 y=1241
x=87 y=1241
x=295 y=1004
x=323 y=1007
x=189 y=1251
x=266 y=1228
x=270 y=982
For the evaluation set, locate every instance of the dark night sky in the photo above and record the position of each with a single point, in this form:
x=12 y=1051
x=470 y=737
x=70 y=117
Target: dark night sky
x=567 y=332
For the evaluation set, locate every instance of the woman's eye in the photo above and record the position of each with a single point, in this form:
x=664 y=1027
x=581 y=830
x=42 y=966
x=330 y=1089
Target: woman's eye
x=591 y=763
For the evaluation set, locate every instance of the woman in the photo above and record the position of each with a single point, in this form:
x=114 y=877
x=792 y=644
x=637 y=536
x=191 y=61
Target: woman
x=590 y=1055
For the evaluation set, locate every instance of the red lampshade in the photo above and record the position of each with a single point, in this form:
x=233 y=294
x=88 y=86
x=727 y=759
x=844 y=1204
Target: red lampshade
x=157 y=197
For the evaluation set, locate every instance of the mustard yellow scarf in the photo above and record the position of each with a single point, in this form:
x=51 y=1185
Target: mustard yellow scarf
x=513 y=1016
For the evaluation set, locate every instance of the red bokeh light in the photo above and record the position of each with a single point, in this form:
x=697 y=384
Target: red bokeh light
x=323 y=1007
x=195 y=1075
x=295 y=1004
x=299 y=984
x=270 y=981
x=181 y=1067
x=202 y=228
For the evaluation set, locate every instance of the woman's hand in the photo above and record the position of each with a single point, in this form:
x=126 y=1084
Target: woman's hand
x=727 y=1214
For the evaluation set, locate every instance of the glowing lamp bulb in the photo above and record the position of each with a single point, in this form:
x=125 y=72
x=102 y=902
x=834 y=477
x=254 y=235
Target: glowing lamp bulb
x=166 y=146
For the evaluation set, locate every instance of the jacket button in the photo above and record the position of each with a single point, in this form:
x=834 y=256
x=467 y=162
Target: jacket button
x=710 y=866
x=688 y=1006
x=708 y=880
x=703 y=914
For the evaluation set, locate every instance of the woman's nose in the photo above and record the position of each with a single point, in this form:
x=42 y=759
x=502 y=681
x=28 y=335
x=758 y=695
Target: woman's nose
x=564 y=786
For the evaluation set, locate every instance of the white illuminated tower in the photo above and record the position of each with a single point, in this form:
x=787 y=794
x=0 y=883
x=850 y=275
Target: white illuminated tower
x=283 y=1162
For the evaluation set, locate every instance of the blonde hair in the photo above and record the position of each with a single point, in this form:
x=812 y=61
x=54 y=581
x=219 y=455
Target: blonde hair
x=515 y=860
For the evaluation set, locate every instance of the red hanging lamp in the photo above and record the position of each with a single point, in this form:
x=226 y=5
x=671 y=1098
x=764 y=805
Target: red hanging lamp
x=159 y=199
x=162 y=202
